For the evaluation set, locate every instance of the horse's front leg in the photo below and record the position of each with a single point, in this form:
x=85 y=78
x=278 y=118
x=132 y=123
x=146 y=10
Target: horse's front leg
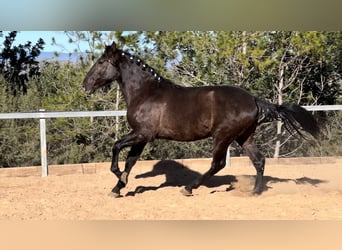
x=115 y=158
x=132 y=158
x=137 y=142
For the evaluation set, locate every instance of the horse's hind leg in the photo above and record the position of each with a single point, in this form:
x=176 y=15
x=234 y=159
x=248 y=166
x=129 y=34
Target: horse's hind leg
x=258 y=161
x=218 y=162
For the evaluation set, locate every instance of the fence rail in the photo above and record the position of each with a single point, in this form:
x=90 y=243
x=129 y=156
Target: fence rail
x=63 y=114
x=42 y=115
x=323 y=107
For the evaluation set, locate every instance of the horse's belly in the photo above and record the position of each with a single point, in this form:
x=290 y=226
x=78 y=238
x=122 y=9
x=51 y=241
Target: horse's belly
x=185 y=129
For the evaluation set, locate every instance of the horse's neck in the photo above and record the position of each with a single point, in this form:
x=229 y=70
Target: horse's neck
x=133 y=82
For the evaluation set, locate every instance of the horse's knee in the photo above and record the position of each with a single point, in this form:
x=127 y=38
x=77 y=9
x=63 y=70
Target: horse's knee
x=116 y=147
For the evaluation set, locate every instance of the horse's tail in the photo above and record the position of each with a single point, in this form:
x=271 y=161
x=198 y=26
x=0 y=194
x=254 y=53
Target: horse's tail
x=294 y=117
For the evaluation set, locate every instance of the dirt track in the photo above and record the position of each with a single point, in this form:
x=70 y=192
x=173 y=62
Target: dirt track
x=299 y=192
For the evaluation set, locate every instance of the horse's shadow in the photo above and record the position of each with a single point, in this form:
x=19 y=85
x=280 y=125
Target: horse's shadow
x=178 y=175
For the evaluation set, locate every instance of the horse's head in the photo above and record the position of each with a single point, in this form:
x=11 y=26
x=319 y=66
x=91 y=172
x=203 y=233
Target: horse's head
x=104 y=71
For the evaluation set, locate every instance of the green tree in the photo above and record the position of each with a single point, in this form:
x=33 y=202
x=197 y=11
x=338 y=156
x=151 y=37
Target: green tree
x=301 y=67
x=18 y=63
x=297 y=64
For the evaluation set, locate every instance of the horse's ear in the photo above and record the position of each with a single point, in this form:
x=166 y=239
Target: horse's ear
x=113 y=46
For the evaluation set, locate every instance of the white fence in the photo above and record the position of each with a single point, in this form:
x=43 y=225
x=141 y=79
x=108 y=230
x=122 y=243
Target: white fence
x=42 y=115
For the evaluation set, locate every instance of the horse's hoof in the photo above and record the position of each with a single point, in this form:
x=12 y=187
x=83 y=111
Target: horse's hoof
x=186 y=192
x=257 y=192
x=115 y=195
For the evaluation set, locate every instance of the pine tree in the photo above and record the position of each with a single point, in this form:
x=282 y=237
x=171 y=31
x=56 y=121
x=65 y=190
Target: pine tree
x=18 y=62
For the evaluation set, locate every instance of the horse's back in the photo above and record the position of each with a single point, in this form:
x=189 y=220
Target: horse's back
x=233 y=100
x=196 y=113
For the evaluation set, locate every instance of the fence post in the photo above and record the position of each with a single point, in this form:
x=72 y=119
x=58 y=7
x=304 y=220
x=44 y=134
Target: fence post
x=43 y=150
x=228 y=157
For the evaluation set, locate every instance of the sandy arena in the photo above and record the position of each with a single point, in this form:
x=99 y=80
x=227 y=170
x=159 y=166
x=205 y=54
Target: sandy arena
x=295 y=189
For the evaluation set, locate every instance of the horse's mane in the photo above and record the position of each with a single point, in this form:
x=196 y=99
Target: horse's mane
x=145 y=67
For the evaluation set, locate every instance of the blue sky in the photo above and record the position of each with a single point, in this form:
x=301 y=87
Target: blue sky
x=63 y=48
x=33 y=36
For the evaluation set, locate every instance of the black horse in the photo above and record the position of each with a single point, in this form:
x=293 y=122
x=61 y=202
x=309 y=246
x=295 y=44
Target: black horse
x=158 y=108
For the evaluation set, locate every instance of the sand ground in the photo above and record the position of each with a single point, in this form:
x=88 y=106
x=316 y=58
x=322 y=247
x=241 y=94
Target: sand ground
x=292 y=192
